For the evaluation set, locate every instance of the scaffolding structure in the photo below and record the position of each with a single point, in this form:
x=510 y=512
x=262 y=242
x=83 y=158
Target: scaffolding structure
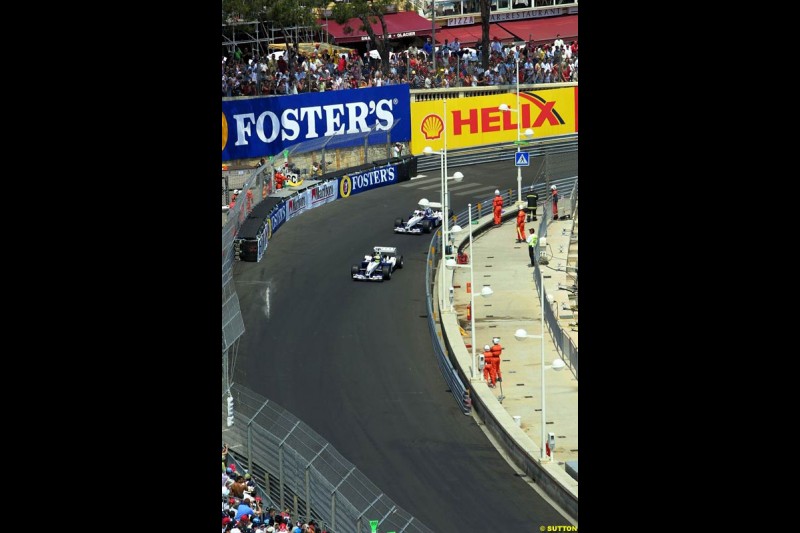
x=262 y=36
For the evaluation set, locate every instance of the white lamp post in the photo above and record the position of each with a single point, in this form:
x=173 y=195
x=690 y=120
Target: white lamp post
x=528 y=133
x=485 y=291
x=558 y=364
x=458 y=176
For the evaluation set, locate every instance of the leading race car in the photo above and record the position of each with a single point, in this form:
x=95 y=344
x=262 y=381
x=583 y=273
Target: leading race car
x=423 y=220
x=379 y=265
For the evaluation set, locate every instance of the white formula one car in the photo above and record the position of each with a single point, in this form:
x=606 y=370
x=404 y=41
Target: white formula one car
x=422 y=220
x=379 y=265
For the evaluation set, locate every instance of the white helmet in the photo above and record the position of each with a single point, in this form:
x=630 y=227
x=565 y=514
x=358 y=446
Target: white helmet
x=486 y=348
x=553 y=187
x=496 y=340
x=497 y=192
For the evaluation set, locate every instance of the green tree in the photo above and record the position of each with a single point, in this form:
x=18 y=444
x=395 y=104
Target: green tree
x=367 y=12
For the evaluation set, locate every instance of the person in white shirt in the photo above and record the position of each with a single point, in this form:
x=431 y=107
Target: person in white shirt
x=455 y=46
x=496 y=46
x=559 y=41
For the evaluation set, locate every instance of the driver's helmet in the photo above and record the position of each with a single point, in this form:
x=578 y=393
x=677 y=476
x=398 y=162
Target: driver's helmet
x=377 y=257
x=428 y=211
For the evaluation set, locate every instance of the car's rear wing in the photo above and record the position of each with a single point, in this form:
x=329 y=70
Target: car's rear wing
x=385 y=249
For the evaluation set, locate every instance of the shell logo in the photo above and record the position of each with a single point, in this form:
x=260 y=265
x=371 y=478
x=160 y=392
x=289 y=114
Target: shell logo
x=224 y=131
x=432 y=126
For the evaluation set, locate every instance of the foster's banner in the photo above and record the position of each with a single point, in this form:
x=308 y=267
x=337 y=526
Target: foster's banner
x=477 y=121
x=265 y=126
x=367 y=179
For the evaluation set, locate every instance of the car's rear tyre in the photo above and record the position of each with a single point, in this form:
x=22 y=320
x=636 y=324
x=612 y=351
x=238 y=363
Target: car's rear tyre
x=398 y=223
x=387 y=272
x=426 y=226
x=400 y=262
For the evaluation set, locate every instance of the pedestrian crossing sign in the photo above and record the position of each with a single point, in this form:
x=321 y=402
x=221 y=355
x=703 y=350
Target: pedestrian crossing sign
x=522 y=159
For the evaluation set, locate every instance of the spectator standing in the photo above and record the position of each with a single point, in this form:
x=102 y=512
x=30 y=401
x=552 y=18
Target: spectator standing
x=496 y=46
x=559 y=41
x=455 y=46
x=532 y=240
x=444 y=50
x=238 y=487
x=428 y=48
x=244 y=510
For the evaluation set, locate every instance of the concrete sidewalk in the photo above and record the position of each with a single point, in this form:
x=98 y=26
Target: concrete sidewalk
x=501 y=263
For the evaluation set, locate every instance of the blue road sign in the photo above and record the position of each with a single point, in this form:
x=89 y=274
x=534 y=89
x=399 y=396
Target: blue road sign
x=522 y=159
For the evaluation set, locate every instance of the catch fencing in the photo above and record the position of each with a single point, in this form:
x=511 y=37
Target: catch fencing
x=299 y=470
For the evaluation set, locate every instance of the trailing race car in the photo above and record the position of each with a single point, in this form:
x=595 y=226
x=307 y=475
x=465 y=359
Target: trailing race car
x=423 y=220
x=379 y=265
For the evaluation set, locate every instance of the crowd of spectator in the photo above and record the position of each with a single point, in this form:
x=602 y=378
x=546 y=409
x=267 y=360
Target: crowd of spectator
x=250 y=74
x=243 y=512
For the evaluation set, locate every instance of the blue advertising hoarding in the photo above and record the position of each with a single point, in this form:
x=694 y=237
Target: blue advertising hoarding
x=265 y=126
x=367 y=179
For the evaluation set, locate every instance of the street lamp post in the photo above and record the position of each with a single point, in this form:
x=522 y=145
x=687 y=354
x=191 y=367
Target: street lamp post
x=485 y=291
x=520 y=142
x=558 y=364
x=458 y=176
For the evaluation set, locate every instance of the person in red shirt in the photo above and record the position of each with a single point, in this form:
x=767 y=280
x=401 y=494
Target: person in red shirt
x=566 y=74
x=497 y=207
x=521 y=225
x=554 y=191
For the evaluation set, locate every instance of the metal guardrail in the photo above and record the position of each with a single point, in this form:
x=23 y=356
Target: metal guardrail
x=560 y=144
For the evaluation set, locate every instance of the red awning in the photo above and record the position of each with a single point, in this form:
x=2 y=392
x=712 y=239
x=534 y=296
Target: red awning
x=544 y=30
x=470 y=35
x=398 y=26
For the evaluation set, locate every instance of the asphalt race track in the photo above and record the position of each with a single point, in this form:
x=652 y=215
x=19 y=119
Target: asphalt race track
x=354 y=361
